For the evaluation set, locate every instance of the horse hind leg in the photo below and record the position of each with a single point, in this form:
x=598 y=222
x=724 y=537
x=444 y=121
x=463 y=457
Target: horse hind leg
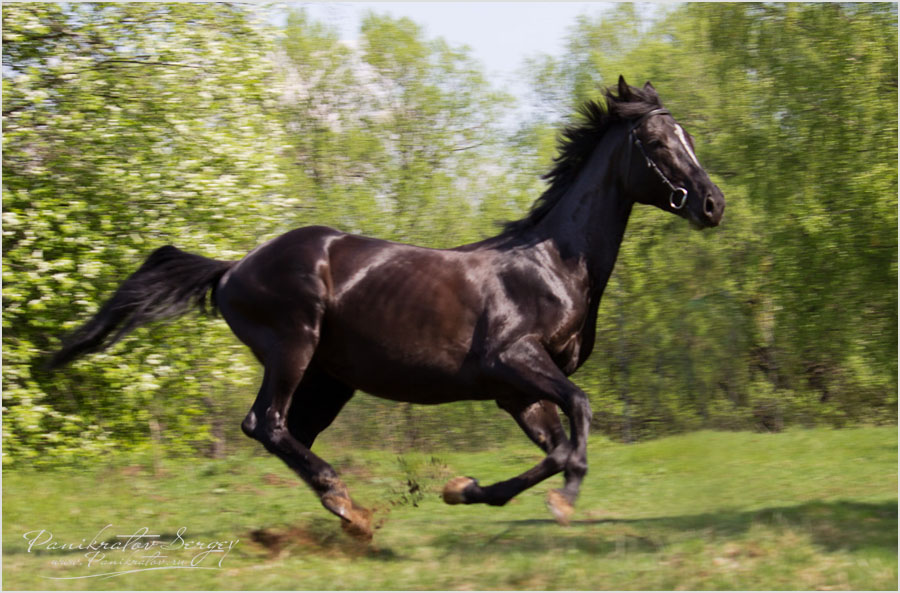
x=269 y=421
x=315 y=404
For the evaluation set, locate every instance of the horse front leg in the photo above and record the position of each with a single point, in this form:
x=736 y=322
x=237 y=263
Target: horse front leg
x=527 y=367
x=466 y=490
x=538 y=420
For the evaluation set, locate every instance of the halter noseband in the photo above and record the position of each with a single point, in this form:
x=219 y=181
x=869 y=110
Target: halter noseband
x=633 y=141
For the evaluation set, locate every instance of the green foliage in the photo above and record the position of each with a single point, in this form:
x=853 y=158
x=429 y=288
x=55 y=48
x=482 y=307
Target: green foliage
x=128 y=126
x=391 y=140
x=794 y=111
x=125 y=127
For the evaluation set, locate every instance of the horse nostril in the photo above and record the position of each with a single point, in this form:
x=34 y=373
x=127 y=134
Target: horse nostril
x=709 y=206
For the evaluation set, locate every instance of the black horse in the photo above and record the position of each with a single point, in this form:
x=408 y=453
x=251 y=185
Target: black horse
x=508 y=318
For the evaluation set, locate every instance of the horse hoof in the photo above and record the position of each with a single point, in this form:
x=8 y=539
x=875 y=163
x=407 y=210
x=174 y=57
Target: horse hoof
x=356 y=521
x=560 y=506
x=454 y=491
x=359 y=528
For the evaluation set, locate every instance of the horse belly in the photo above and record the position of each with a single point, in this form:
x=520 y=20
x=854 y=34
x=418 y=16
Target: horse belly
x=414 y=344
x=390 y=377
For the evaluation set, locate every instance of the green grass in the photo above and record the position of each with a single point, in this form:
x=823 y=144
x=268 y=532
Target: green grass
x=814 y=509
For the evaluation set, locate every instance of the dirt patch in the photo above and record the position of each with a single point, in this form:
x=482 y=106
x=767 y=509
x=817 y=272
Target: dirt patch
x=274 y=540
x=317 y=538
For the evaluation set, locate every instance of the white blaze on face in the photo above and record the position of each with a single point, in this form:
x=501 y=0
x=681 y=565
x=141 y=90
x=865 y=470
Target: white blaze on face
x=680 y=133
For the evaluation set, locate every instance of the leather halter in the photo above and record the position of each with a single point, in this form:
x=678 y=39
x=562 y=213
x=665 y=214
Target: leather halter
x=676 y=191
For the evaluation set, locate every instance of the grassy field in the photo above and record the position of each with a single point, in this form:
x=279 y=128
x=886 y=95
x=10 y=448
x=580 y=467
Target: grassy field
x=812 y=509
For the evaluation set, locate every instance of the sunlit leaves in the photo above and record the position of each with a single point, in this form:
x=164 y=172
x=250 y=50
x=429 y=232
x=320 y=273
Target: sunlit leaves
x=125 y=127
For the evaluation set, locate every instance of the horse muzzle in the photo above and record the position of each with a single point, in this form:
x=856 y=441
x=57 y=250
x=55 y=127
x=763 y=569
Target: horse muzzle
x=708 y=212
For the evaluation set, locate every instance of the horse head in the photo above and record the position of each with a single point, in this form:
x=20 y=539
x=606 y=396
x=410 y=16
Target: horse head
x=659 y=166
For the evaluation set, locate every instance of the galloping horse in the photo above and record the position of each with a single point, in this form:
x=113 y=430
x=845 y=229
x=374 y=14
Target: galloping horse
x=508 y=318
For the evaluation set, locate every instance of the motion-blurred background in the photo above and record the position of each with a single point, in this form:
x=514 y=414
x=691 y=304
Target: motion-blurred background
x=215 y=127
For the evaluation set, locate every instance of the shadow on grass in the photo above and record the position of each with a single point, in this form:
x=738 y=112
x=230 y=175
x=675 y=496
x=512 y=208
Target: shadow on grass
x=316 y=537
x=836 y=525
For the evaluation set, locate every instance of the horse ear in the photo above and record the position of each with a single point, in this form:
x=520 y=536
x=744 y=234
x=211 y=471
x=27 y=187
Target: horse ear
x=624 y=89
x=649 y=87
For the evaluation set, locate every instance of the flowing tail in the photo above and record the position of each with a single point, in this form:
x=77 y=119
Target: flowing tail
x=168 y=284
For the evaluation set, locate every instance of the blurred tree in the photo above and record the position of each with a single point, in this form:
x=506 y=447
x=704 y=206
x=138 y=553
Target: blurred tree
x=391 y=138
x=794 y=299
x=437 y=116
x=819 y=156
x=126 y=126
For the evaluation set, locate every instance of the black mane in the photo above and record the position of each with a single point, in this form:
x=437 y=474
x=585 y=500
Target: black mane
x=578 y=141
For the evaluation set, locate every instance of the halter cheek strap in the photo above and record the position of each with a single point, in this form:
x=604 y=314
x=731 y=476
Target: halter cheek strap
x=678 y=195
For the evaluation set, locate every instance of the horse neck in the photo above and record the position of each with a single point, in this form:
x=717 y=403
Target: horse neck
x=588 y=223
